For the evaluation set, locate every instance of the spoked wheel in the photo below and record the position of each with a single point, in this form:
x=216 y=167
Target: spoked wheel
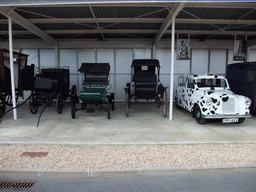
x=158 y=102
x=73 y=109
x=112 y=102
x=164 y=103
x=109 y=109
x=198 y=116
x=59 y=103
x=8 y=99
x=33 y=105
x=127 y=103
x=2 y=106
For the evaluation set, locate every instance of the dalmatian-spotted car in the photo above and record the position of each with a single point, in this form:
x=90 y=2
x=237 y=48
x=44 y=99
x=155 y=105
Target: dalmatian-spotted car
x=209 y=97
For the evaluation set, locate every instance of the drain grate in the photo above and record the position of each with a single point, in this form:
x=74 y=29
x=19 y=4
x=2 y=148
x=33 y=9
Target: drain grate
x=16 y=185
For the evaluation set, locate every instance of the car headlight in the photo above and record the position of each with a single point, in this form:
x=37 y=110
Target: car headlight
x=248 y=102
x=208 y=102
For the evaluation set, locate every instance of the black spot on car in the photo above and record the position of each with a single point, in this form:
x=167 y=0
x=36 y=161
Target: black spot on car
x=201 y=104
x=218 y=104
x=203 y=101
x=204 y=109
x=225 y=99
x=214 y=100
x=213 y=112
x=202 y=97
x=210 y=92
x=197 y=89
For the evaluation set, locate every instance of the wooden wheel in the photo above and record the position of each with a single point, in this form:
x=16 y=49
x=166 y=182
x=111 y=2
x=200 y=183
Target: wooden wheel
x=2 y=106
x=109 y=107
x=73 y=109
x=33 y=105
x=127 y=103
x=59 y=103
x=164 y=103
x=8 y=98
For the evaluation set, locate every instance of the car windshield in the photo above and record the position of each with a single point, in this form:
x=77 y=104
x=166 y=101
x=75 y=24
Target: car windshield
x=211 y=83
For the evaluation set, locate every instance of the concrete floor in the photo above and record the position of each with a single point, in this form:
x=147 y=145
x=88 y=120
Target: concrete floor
x=145 y=125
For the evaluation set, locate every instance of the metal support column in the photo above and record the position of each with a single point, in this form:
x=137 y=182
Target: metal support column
x=172 y=69
x=12 y=68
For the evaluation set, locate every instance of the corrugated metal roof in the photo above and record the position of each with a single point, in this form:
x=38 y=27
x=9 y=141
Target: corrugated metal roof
x=131 y=20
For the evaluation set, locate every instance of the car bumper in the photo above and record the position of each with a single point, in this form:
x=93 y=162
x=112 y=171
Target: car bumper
x=225 y=116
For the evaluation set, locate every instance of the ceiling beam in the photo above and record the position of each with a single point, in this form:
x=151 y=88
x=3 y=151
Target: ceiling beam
x=9 y=12
x=136 y=20
x=172 y=14
x=135 y=31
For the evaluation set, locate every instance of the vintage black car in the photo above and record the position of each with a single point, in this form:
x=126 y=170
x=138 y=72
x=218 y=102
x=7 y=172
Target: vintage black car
x=145 y=84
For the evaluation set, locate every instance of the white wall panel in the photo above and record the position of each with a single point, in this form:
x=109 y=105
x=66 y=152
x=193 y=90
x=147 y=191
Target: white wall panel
x=106 y=56
x=252 y=56
x=199 y=61
x=164 y=57
x=122 y=79
x=142 y=54
x=47 y=58
x=218 y=61
x=68 y=59
x=124 y=58
x=86 y=56
x=33 y=56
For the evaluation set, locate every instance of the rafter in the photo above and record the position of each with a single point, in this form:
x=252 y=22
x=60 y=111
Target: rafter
x=172 y=14
x=9 y=12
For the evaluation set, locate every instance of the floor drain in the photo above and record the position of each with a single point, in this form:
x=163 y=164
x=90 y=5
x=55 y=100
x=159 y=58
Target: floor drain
x=16 y=185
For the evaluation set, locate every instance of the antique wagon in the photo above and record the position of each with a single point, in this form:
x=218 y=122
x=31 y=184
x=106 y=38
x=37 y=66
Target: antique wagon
x=23 y=75
x=52 y=84
x=94 y=93
x=145 y=84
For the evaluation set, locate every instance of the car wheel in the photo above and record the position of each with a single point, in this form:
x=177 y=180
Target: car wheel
x=241 y=120
x=198 y=115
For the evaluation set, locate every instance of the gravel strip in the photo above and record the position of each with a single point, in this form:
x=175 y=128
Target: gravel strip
x=80 y=158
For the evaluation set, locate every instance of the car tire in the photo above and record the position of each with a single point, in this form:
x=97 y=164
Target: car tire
x=241 y=120
x=198 y=116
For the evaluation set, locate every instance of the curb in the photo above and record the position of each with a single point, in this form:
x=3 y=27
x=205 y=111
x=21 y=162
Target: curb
x=141 y=172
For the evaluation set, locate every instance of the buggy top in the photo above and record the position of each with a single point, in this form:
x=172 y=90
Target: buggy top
x=95 y=73
x=145 y=69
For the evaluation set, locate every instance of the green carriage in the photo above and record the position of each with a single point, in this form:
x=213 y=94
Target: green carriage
x=94 y=95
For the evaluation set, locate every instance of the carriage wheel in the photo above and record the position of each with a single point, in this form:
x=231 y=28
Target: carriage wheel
x=32 y=103
x=2 y=106
x=164 y=103
x=158 y=102
x=59 y=103
x=127 y=103
x=8 y=99
x=112 y=102
x=109 y=109
x=73 y=109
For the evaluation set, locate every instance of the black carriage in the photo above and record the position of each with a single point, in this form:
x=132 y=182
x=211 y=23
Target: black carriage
x=94 y=95
x=145 y=84
x=23 y=77
x=52 y=84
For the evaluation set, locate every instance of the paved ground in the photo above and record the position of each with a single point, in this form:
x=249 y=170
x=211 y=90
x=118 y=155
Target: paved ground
x=145 y=125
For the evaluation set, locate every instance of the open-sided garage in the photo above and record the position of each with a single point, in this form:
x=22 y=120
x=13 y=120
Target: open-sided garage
x=70 y=33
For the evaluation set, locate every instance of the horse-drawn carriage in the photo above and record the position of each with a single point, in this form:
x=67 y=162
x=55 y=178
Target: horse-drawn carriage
x=94 y=93
x=23 y=77
x=145 y=84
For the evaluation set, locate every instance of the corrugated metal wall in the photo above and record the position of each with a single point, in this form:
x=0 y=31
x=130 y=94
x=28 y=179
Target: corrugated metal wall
x=203 y=61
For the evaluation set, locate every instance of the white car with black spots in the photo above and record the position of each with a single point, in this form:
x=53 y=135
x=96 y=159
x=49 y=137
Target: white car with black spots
x=209 y=97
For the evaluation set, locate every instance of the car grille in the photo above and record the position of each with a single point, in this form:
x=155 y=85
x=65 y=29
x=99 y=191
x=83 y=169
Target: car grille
x=229 y=106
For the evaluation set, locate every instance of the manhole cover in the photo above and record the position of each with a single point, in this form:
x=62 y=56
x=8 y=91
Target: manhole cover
x=16 y=185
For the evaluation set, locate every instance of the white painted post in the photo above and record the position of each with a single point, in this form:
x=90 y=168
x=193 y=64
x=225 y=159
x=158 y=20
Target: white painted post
x=12 y=68
x=172 y=69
